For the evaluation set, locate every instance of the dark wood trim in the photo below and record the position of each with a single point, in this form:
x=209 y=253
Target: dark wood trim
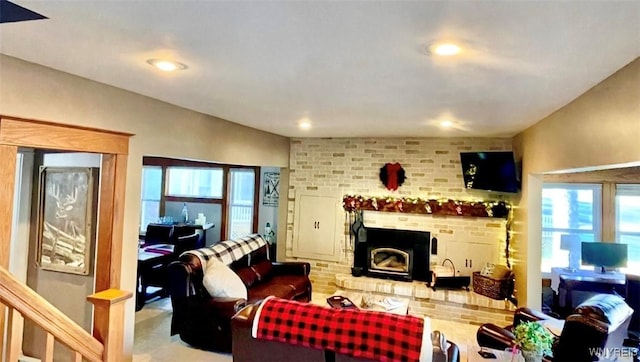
x=608 y=179
x=627 y=175
x=163 y=190
x=225 y=204
x=193 y=199
x=165 y=163
x=257 y=172
x=176 y=162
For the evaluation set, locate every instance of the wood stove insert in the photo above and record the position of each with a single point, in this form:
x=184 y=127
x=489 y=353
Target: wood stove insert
x=393 y=254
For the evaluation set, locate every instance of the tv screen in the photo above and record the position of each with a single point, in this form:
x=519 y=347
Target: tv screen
x=492 y=171
x=604 y=255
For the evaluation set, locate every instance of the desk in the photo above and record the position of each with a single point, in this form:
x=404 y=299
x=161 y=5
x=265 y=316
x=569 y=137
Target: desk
x=557 y=272
x=588 y=285
x=574 y=287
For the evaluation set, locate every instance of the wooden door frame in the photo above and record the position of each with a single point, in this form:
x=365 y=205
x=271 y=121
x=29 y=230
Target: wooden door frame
x=114 y=147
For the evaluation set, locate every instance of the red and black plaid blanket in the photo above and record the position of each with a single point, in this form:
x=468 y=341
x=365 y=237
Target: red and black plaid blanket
x=365 y=334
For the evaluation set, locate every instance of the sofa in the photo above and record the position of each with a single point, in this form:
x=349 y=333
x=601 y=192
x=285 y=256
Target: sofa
x=599 y=322
x=203 y=320
x=246 y=348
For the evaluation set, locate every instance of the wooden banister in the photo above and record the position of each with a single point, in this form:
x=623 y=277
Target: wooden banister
x=32 y=306
x=109 y=321
x=14 y=335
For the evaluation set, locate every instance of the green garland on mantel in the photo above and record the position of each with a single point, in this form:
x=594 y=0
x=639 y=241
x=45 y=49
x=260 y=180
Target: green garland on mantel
x=416 y=205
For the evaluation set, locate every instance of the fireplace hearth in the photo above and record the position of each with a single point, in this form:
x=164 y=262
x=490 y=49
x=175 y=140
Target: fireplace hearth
x=393 y=254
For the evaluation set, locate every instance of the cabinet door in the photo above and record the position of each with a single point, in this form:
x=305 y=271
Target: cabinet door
x=469 y=257
x=315 y=227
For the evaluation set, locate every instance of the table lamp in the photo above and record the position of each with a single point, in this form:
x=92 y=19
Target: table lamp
x=571 y=243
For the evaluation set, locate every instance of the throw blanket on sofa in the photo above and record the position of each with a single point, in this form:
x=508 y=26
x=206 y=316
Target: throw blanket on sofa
x=359 y=333
x=229 y=251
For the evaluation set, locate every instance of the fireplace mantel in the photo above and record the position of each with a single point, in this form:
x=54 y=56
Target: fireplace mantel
x=416 y=205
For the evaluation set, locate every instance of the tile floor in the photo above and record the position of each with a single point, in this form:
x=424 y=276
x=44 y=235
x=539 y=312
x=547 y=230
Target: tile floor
x=153 y=342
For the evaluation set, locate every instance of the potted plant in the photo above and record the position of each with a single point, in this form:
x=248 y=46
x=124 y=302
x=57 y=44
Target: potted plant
x=534 y=340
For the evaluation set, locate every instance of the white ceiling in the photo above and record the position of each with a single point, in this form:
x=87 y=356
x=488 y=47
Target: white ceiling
x=354 y=68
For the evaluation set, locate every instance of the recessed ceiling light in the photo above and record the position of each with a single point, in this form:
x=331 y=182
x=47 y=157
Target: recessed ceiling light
x=444 y=49
x=166 y=65
x=304 y=123
x=446 y=124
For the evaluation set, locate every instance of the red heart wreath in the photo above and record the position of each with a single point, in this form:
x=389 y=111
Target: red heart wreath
x=392 y=176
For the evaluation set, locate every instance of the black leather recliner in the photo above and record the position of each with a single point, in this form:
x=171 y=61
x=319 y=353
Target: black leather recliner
x=599 y=323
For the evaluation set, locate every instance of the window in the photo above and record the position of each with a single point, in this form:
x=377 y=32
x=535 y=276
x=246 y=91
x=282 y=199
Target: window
x=194 y=182
x=628 y=222
x=573 y=209
x=151 y=193
x=223 y=194
x=242 y=187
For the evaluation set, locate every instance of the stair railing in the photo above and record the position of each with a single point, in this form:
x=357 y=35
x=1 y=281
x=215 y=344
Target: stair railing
x=24 y=303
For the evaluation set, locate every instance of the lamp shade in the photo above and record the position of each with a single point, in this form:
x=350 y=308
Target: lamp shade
x=569 y=242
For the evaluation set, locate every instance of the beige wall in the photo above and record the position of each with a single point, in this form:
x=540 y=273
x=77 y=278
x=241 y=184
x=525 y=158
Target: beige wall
x=161 y=129
x=339 y=166
x=599 y=129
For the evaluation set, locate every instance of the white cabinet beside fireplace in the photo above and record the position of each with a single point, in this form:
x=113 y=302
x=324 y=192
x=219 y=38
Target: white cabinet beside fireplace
x=315 y=223
x=469 y=256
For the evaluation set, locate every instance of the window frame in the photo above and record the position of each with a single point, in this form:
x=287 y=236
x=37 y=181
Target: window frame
x=597 y=227
x=622 y=189
x=143 y=199
x=168 y=183
x=165 y=163
x=609 y=179
x=231 y=193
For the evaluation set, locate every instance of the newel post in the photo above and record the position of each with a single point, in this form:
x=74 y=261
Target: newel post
x=108 y=321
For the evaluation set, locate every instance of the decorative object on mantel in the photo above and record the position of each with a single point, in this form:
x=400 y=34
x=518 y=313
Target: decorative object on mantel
x=392 y=176
x=498 y=209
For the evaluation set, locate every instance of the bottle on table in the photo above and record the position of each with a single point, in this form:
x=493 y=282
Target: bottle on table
x=185 y=213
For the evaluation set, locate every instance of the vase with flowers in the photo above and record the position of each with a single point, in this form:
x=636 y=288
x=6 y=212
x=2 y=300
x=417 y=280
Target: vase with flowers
x=534 y=340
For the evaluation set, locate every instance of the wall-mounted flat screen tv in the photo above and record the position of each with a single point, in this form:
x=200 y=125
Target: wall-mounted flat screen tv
x=492 y=171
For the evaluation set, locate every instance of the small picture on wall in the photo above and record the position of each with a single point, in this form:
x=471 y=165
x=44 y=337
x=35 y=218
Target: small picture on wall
x=66 y=218
x=271 y=195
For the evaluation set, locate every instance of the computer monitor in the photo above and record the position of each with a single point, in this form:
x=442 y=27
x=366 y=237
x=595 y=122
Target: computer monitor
x=604 y=256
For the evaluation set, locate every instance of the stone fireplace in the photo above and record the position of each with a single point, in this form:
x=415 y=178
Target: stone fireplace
x=393 y=254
